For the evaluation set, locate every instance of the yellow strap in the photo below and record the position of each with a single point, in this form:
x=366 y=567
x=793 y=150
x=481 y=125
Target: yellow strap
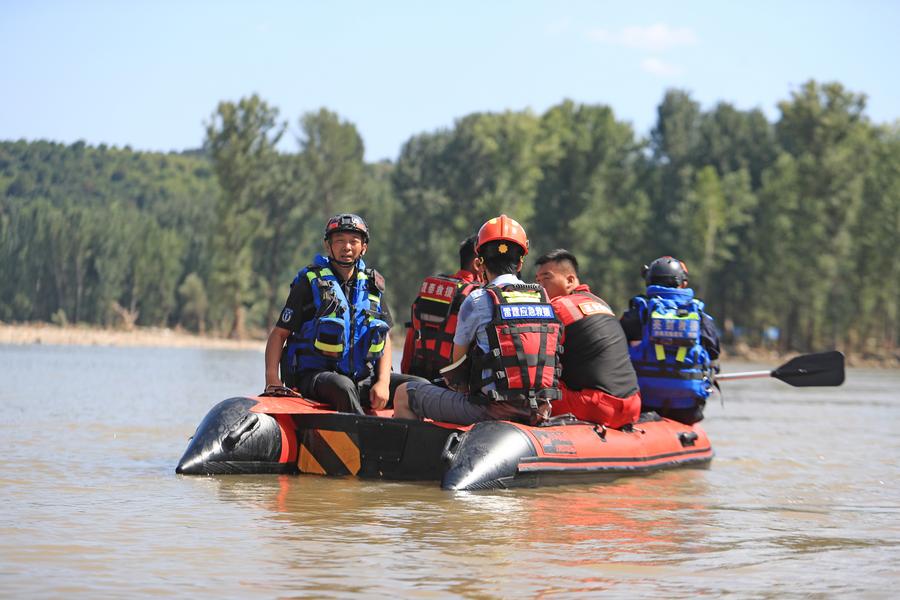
x=376 y=348
x=328 y=347
x=375 y=299
x=660 y=352
x=323 y=272
x=688 y=317
x=682 y=352
x=522 y=296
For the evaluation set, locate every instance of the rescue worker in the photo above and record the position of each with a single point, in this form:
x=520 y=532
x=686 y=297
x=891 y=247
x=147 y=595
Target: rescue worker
x=673 y=343
x=332 y=338
x=505 y=349
x=598 y=383
x=429 y=337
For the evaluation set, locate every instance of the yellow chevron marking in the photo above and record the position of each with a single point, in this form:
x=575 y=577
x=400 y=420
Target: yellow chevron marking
x=343 y=446
x=308 y=463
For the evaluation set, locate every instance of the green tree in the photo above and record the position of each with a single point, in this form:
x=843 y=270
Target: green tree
x=241 y=140
x=195 y=303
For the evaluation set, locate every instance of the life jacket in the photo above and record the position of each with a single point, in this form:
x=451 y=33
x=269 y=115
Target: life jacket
x=346 y=335
x=524 y=340
x=672 y=366
x=578 y=305
x=434 y=314
x=597 y=351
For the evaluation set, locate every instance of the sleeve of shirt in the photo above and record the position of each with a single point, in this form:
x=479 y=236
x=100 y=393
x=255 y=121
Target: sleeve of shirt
x=386 y=312
x=709 y=337
x=631 y=324
x=466 y=323
x=298 y=308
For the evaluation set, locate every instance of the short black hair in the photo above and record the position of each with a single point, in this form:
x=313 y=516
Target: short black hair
x=501 y=263
x=467 y=251
x=558 y=256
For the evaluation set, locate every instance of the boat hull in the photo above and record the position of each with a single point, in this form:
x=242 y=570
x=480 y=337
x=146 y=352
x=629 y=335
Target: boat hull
x=290 y=436
x=500 y=454
x=295 y=435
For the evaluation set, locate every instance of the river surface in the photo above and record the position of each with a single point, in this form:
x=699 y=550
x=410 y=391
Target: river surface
x=801 y=500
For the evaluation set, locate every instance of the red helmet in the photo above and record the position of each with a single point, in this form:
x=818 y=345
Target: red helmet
x=502 y=228
x=347 y=222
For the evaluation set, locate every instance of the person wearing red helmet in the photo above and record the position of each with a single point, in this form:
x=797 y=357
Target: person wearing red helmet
x=598 y=383
x=506 y=345
x=331 y=341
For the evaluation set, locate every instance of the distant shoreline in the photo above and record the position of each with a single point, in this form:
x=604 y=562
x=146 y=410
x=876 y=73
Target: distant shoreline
x=25 y=334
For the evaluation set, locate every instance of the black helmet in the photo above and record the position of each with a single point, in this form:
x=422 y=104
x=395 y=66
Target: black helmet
x=665 y=271
x=347 y=222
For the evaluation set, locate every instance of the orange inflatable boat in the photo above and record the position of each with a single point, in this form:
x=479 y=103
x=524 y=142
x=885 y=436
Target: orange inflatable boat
x=294 y=435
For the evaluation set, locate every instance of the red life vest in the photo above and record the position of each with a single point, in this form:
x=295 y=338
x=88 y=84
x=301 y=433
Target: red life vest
x=434 y=314
x=578 y=305
x=524 y=339
x=596 y=348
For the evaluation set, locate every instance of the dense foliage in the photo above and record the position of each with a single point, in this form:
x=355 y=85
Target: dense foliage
x=791 y=226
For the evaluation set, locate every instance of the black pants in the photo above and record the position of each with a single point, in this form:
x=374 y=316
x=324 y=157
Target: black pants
x=341 y=393
x=688 y=416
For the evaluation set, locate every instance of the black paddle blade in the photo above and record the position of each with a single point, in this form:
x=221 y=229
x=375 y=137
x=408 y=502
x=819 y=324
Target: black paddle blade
x=819 y=369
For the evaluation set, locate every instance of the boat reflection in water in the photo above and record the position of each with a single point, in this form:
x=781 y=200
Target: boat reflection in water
x=584 y=538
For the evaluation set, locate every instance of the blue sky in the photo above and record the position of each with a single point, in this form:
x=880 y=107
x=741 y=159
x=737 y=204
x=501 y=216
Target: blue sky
x=148 y=74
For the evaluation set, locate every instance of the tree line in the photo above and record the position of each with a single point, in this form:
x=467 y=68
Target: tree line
x=790 y=229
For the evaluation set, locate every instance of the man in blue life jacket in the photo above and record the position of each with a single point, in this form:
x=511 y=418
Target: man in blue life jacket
x=332 y=339
x=505 y=358
x=673 y=343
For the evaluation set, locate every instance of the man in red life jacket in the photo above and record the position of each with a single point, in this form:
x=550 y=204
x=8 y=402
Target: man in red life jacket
x=429 y=337
x=598 y=382
x=505 y=349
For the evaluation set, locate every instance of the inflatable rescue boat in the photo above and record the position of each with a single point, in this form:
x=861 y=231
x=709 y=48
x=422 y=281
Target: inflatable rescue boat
x=287 y=435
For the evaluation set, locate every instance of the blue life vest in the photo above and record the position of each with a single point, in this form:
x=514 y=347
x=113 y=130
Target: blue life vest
x=672 y=366
x=347 y=335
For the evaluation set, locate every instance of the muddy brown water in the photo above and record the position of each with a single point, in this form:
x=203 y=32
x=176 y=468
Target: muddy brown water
x=801 y=500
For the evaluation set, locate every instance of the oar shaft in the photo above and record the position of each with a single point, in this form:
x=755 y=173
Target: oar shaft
x=745 y=375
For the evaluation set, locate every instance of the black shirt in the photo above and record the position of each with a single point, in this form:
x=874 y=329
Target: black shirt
x=595 y=354
x=300 y=308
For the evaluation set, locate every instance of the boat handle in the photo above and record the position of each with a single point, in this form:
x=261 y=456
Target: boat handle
x=234 y=436
x=687 y=438
x=450 y=446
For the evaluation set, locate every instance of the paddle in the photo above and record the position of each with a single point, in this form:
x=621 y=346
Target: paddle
x=819 y=369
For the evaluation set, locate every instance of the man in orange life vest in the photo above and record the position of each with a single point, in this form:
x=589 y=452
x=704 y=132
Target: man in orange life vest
x=598 y=382
x=429 y=337
x=505 y=349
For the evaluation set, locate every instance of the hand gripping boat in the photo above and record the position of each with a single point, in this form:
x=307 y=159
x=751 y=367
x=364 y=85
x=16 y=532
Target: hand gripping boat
x=295 y=435
x=264 y=434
